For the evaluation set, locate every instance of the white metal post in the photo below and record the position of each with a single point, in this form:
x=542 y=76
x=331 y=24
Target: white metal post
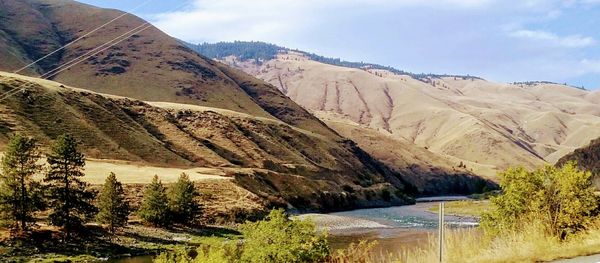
x=441 y=231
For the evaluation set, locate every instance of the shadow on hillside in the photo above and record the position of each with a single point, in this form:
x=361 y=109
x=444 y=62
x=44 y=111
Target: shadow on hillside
x=208 y=231
x=91 y=241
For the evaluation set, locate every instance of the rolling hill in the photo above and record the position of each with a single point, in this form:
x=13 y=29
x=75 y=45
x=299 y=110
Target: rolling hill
x=152 y=101
x=150 y=65
x=483 y=125
x=283 y=164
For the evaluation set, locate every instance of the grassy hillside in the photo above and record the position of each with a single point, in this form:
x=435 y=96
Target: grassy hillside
x=280 y=163
x=149 y=66
x=430 y=173
x=485 y=125
x=588 y=158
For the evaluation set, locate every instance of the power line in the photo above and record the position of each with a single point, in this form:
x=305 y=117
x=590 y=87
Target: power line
x=70 y=43
x=102 y=50
x=13 y=92
x=66 y=66
x=82 y=37
x=55 y=71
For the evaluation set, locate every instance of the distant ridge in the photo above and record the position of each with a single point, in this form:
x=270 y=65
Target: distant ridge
x=261 y=51
x=543 y=82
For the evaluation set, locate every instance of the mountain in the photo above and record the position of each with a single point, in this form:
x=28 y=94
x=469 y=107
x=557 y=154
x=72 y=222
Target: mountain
x=429 y=172
x=588 y=158
x=283 y=164
x=150 y=100
x=483 y=125
x=149 y=66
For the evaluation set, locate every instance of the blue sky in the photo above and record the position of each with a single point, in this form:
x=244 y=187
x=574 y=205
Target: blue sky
x=500 y=40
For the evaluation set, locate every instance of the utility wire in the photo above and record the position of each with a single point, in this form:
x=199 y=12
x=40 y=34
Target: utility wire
x=110 y=43
x=73 y=62
x=3 y=96
x=82 y=37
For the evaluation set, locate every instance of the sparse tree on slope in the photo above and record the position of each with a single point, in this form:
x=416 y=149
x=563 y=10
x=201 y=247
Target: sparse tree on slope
x=154 y=208
x=113 y=207
x=70 y=200
x=182 y=200
x=20 y=195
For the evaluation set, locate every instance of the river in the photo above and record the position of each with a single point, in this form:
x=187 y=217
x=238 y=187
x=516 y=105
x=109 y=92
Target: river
x=394 y=228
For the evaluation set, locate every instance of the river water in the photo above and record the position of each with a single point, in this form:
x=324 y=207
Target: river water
x=397 y=228
x=394 y=228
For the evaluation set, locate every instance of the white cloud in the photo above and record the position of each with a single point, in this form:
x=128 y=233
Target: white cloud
x=570 y=41
x=589 y=66
x=270 y=20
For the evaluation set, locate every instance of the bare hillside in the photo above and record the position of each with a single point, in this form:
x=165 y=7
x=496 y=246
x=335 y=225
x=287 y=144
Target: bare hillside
x=149 y=65
x=488 y=126
x=282 y=164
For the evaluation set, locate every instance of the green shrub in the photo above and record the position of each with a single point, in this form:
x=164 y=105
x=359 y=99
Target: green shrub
x=179 y=256
x=561 y=199
x=280 y=239
x=276 y=239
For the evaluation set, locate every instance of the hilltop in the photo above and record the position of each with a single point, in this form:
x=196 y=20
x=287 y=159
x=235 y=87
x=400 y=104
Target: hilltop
x=282 y=164
x=149 y=65
x=476 y=124
x=260 y=52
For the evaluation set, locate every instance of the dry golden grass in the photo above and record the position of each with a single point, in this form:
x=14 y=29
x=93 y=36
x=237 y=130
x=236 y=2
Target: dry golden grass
x=529 y=245
x=96 y=172
x=453 y=117
x=464 y=208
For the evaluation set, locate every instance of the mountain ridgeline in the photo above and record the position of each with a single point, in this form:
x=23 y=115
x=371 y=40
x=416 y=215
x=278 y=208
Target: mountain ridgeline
x=439 y=126
x=261 y=51
x=150 y=100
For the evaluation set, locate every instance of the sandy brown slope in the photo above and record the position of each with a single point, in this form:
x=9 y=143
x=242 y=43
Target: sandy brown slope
x=488 y=126
x=431 y=173
x=282 y=164
x=150 y=66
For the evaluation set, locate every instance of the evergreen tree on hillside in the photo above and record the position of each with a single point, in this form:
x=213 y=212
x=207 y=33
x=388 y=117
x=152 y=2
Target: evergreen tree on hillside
x=20 y=195
x=70 y=200
x=113 y=207
x=154 y=208
x=182 y=200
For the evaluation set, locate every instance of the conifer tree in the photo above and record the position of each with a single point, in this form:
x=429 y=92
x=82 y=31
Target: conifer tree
x=112 y=205
x=20 y=195
x=154 y=208
x=182 y=200
x=70 y=200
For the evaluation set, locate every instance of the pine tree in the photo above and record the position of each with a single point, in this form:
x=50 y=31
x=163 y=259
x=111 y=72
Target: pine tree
x=113 y=208
x=182 y=200
x=70 y=200
x=154 y=208
x=20 y=195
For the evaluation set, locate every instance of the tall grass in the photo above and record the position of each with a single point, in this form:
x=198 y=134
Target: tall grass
x=531 y=244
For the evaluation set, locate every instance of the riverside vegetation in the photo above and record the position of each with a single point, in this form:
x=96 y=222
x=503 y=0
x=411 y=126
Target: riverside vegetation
x=67 y=203
x=541 y=215
x=558 y=204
